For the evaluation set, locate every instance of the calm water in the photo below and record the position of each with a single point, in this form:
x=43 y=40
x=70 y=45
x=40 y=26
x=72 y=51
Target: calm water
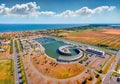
x=51 y=46
x=27 y=27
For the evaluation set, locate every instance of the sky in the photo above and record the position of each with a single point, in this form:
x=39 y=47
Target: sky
x=59 y=11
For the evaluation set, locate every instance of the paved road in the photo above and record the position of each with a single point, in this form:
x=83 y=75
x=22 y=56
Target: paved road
x=109 y=79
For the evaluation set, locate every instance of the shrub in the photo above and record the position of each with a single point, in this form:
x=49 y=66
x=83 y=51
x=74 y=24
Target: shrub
x=90 y=78
x=84 y=82
x=97 y=75
x=100 y=71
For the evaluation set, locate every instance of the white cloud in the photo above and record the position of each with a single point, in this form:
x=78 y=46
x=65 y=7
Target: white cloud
x=66 y=13
x=47 y=13
x=111 y=8
x=25 y=9
x=3 y=10
x=32 y=9
x=85 y=11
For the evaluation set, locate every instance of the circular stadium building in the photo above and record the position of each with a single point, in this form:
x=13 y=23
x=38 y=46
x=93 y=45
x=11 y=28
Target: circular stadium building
x=66 y=54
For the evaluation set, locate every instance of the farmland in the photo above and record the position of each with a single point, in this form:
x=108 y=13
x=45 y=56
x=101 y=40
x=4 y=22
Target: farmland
x=109 y=38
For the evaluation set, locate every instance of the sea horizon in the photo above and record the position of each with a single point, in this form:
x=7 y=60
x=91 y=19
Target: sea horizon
x=34 y=27
x=31 y=27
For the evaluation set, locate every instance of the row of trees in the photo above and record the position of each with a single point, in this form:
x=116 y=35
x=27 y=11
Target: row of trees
x=11 y=47
x=17 y=46
x=22 y=70
x=20 y=45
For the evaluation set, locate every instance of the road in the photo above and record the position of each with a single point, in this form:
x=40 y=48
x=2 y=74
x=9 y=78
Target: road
x=109 y=79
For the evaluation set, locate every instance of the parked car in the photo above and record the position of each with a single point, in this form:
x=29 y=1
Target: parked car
x=118 y=79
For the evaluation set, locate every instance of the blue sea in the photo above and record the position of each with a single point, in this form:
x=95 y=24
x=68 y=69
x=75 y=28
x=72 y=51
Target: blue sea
x=27 y=27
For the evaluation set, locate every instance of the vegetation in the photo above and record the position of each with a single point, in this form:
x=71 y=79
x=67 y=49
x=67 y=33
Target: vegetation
x=102 y=45
x=11 y=47
x=117 y=66
x=99 y=80
x=24 y=80
x=6 y=71
x=97 y=75
x=116 y=69
x=107 y=67
x=18 y=46
x=93 y=27
x=115 y=74
x=103 y=64
x=90 y=78
x=84 y=82
x=100 y=71
x=92 y=35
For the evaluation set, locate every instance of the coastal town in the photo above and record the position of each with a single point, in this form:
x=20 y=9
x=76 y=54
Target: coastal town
x=59 y=41
x=61 y=56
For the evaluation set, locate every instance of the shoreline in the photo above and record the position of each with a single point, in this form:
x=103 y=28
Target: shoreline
x=35 y=27
x=63 y=26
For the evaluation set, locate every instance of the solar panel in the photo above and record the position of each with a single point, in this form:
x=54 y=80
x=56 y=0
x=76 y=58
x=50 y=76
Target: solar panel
x=94 y=52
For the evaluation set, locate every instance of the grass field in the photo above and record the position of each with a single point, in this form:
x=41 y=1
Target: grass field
x=107 y=67
x=6 y=72
x=105 y=37
x=117 y=68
